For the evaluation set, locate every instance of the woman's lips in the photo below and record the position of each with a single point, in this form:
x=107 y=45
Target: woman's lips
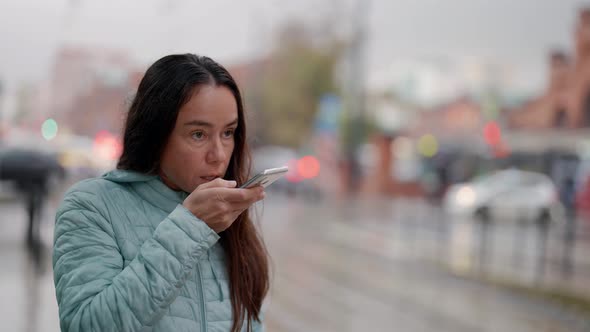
x=209 y=178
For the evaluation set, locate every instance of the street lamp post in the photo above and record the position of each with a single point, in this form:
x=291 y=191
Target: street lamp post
x=356 y=61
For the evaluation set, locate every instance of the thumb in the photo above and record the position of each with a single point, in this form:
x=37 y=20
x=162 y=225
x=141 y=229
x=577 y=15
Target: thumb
x=217 y=183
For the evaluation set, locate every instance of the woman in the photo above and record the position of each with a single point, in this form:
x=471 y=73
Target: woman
x=164 y=242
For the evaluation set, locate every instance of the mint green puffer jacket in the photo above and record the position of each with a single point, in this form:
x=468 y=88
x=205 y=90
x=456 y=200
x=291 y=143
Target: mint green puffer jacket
x=129 y=257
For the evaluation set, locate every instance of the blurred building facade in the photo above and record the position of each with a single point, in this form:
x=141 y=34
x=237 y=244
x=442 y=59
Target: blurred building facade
x=556 y=120
x=453 y=121
x=457 y=124
x=566 y=100
x=90 y=88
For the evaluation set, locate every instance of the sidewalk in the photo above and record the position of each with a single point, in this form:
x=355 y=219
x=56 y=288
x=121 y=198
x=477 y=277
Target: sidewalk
x=333 y=274
x=413 y=229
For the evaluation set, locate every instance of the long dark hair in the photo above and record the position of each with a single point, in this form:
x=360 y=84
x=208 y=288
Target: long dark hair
x=166 y=86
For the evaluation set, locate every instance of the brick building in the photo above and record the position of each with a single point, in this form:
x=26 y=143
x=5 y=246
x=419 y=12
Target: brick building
x=565 y=102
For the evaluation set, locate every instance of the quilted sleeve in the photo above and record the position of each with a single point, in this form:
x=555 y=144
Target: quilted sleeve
x=95 y=292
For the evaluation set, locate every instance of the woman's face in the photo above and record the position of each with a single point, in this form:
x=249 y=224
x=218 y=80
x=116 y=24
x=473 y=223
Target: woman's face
x=202 y=142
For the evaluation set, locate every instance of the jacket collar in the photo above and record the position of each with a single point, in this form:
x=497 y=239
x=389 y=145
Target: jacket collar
x=149 y=187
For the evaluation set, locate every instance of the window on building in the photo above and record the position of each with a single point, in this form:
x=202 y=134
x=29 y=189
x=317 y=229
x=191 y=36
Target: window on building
x=586 y=110
x=560 y=120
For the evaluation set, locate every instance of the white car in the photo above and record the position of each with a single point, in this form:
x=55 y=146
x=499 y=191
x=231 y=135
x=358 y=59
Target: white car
x=509 y=194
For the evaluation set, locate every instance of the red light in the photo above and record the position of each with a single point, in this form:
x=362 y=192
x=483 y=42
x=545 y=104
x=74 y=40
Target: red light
x=107 y=146
x=293 y=173
x=492 y=133
x=308 y=167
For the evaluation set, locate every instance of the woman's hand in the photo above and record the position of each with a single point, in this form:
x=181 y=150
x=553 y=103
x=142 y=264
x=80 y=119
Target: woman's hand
x=219 y=203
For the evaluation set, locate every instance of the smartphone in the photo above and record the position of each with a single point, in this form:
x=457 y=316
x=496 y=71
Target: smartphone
x=266 y=177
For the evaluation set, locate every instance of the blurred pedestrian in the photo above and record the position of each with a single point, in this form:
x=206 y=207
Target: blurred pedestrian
x=165 y=242
x=31 y=172
x=568 y=199
x=34 y=192
x=567 y=193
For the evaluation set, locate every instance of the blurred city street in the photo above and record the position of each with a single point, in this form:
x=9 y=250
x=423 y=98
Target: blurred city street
x=336 y=271
x=438 y=153
x=26 y=283
x=338 y=266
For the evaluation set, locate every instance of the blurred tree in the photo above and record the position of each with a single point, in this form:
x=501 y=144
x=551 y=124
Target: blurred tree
x=301 y=70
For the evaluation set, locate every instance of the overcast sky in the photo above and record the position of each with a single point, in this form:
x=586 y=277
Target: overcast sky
x=516 y=32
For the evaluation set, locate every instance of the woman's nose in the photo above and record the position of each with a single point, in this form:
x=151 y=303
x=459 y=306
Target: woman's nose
x=216 y=152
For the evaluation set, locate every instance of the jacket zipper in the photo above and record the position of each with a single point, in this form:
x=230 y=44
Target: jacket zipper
x=202 y=298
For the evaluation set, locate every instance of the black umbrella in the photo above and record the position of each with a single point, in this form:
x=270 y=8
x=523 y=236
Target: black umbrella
x=24 y=166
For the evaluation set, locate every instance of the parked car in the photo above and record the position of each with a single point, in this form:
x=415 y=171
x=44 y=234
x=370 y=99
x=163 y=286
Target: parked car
x=505 y=195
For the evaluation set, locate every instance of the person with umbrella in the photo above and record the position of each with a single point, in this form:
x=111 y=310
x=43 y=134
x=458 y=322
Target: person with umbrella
x=31 y=173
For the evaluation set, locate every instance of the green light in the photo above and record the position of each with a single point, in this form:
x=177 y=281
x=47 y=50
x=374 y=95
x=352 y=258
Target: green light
x=49 y=129
x=428 y=146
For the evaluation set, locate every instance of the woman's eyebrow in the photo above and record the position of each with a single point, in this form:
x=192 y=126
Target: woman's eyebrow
x=207 y=124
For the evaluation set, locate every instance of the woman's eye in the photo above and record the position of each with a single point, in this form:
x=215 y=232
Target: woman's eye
x=198 y=135
x=228 y=133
